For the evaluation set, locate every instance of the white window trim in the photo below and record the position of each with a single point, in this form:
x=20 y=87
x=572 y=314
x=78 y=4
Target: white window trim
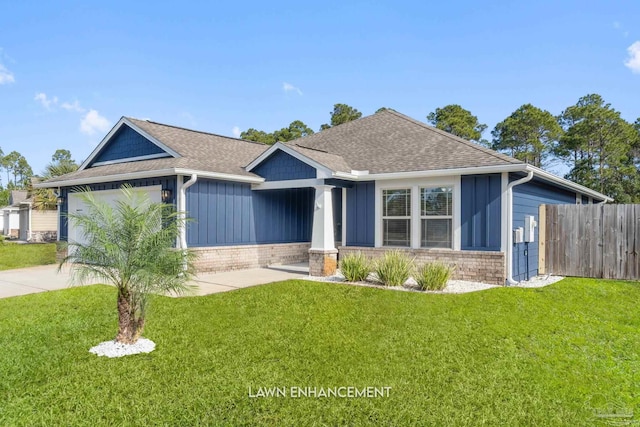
x=435 y=216
x=415 y=185
x=409 y=217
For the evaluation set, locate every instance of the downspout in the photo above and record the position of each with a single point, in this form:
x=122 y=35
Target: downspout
x=509 y=226
x=182 y=208
x=57 y=195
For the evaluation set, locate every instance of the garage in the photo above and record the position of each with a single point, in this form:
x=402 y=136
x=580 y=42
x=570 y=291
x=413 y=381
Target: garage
x=111 y=197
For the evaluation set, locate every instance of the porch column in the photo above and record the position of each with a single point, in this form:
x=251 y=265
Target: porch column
x=323 y=255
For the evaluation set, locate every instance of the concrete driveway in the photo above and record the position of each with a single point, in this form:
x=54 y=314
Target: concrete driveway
x=44 y=278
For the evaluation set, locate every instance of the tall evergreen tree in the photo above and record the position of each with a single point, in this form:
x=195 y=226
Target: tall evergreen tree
x=342 y=113
x=598 y=144
x=528 y=134
x=458 y=121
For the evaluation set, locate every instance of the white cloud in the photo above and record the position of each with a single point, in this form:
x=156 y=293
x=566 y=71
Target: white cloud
x=6 y=76
x=288 y=87
x=46 y=102
x=93 y=122
x=75 y=106
x=236 y=132
x=633 y=62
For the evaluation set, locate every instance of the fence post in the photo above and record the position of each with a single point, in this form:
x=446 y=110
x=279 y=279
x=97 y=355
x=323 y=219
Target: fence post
x=542 y=238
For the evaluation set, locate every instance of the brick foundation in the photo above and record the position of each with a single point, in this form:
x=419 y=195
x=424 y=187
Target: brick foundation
x=224 y=258
x=476 y=266
x=323 y=262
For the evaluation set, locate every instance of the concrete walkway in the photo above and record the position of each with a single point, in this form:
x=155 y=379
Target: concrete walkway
x=44 y=278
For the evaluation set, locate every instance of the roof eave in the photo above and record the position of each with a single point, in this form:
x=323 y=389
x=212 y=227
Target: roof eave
x=568 y=184
x=149 y=174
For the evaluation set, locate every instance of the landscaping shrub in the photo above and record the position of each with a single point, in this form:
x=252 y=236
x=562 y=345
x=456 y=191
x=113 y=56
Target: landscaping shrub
x=394 y=268
x=433 y=276
x=355 y=267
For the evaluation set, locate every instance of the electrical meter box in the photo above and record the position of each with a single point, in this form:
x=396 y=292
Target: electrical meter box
x=530 y=225
x=518 y=235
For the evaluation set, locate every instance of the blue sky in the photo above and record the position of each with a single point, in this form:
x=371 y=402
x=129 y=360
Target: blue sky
x=69 y=71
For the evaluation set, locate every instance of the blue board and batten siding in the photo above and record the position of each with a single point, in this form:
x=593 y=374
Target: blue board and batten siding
x=228 y=213
x=481 y=212
x=167 y=183
x=527 y=199
x=281 y=166
x=125 y=144
x=361 y=214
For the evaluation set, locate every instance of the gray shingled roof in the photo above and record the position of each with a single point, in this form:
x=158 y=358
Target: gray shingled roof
x=382 y=143
x=332 y=161
x=392 y=142
x=17 y=196
x=199 y=150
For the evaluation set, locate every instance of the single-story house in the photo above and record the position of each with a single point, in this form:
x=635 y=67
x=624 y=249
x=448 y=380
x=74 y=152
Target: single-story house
x=10 y=214
x=379 y=182
x=21 y=220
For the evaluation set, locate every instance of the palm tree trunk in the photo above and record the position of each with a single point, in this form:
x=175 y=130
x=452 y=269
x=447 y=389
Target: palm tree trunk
x=130 y=327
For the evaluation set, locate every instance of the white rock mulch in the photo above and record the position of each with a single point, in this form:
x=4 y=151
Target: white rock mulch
x=453 y=286
x=539 y=281
x=116 y=349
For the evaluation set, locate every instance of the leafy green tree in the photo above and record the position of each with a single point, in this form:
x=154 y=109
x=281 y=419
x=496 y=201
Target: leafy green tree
x=4 y=197
x=61 y=164
x=342 y=113
x=62 y=156
x=528 y=134
x=15 y=164
x=130 y=246
x=255 y=135
x=384 y=109
x=458 y=121
x=598 y=145
x=297 y=129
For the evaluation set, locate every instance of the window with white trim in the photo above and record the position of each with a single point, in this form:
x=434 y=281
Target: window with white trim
x=436 y=217
x=396 y=217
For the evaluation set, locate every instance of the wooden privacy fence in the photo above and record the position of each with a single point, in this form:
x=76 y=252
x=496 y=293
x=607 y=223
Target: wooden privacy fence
x=599 y=241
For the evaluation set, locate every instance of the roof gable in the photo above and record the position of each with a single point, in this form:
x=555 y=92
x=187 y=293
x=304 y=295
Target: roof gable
x=127 y=145
x=121 y=146
x=280 y=166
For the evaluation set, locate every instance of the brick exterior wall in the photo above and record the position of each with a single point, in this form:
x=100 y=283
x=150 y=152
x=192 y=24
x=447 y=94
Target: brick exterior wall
x=323 y=263
x=475 y=266
x=224 y=258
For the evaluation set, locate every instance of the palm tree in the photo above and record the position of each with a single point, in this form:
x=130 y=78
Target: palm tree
x=45 y=198
x=130 y=246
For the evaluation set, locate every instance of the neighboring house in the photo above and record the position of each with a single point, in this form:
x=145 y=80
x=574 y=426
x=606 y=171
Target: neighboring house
x=11 y=214
x=22 y=221
x=383 y=181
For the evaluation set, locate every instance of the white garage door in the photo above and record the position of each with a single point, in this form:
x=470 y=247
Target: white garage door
x=76 y=205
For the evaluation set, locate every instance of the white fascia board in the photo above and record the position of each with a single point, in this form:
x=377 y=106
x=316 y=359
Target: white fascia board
x=219 y=175
x=112 y=132
x=476 y=171
x=149 y=174
x=292 y=183
x=431 y=173
x=567 y=184
x=291 y=152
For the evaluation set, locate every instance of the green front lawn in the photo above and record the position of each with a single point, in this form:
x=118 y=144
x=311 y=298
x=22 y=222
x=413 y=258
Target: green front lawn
x=551 y=356
x=14 y=255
